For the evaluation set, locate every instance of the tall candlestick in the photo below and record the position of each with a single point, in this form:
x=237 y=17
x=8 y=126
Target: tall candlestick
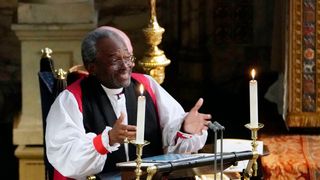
x=141 y=117
x=253 y=86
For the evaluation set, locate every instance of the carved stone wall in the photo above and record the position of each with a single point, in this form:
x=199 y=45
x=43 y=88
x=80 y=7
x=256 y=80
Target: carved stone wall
x=61 y=26
x=10 y=89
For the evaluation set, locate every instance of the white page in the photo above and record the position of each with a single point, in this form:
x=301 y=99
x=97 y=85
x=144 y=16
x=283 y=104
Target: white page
x=237 y=145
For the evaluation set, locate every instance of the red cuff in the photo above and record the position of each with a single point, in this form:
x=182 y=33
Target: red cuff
x=97 y=142
x=183 y=135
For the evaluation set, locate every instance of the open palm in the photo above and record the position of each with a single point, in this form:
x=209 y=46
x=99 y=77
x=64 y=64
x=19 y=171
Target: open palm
x=195 y=122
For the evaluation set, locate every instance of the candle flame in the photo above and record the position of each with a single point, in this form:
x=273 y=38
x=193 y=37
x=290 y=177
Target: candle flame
x=141 y=89
x=253 y=73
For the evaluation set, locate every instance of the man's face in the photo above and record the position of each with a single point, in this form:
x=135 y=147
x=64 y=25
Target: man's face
x=113 y=64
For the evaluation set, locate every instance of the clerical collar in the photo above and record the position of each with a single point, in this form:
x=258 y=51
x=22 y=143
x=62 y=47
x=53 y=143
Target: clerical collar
x=112 y=91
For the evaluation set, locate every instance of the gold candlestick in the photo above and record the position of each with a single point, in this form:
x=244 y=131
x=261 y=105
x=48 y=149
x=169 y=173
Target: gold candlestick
x=139 y=148
x=252 y=167
x=154 y=61
x=151 y=172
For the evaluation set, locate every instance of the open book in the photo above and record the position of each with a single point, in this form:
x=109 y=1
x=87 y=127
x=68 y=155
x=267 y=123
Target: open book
x=237 y=145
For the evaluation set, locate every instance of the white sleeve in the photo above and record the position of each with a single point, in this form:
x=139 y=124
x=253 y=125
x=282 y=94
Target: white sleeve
x=171 y=116
x=69 y=148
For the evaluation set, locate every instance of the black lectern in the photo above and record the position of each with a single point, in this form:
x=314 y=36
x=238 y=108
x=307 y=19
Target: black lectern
x=181 y=168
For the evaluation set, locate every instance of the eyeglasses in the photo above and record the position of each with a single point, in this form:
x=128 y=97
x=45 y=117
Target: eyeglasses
x=116 y=62
x=128 y=60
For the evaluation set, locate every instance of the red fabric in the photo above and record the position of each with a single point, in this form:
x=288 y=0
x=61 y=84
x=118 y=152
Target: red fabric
x=75 y=89
x=76 y=75
x=97 y=142
x=58 y=176
x=145 y=81
x=183 y=136
x=292 y=157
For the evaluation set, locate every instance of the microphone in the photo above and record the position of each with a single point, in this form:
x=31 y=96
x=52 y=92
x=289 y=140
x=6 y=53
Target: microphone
x=213 y=127
x=219 y=125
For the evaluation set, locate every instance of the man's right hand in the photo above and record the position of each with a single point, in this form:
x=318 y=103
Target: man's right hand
x=120 y=132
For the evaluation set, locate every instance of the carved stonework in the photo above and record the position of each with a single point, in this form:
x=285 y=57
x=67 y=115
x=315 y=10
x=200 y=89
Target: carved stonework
x=304 y=72
x=59 y=25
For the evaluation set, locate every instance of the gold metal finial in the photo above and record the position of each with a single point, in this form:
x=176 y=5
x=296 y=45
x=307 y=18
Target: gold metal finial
x=91 y=178
x=151 y=172
x=153 y=14
x=46 y=52
x=61 y=74
x=154 y=61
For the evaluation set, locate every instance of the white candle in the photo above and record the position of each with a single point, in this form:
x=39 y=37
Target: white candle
x=141 y=117
x=253 y=86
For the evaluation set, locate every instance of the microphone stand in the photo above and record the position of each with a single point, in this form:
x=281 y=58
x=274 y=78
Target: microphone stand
x=221 y=128
x=215 y=127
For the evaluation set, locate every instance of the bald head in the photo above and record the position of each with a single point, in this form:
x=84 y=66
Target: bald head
x=88 y=48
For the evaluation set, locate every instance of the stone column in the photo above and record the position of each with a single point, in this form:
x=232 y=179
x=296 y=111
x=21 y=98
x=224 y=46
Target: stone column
x=59 y=25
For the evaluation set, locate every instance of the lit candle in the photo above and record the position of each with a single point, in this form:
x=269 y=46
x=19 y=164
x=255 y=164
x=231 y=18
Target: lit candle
x=141 y=117
x=253 y=86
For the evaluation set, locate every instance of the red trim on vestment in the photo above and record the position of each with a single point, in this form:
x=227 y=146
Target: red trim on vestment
x=58 y=176
x=145 y=81
x=75 y=89
x=97 y=142
x=182 y=136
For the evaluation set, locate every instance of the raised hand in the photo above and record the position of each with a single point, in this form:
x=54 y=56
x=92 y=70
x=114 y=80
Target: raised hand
x=120 y=132
x=195 y=122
